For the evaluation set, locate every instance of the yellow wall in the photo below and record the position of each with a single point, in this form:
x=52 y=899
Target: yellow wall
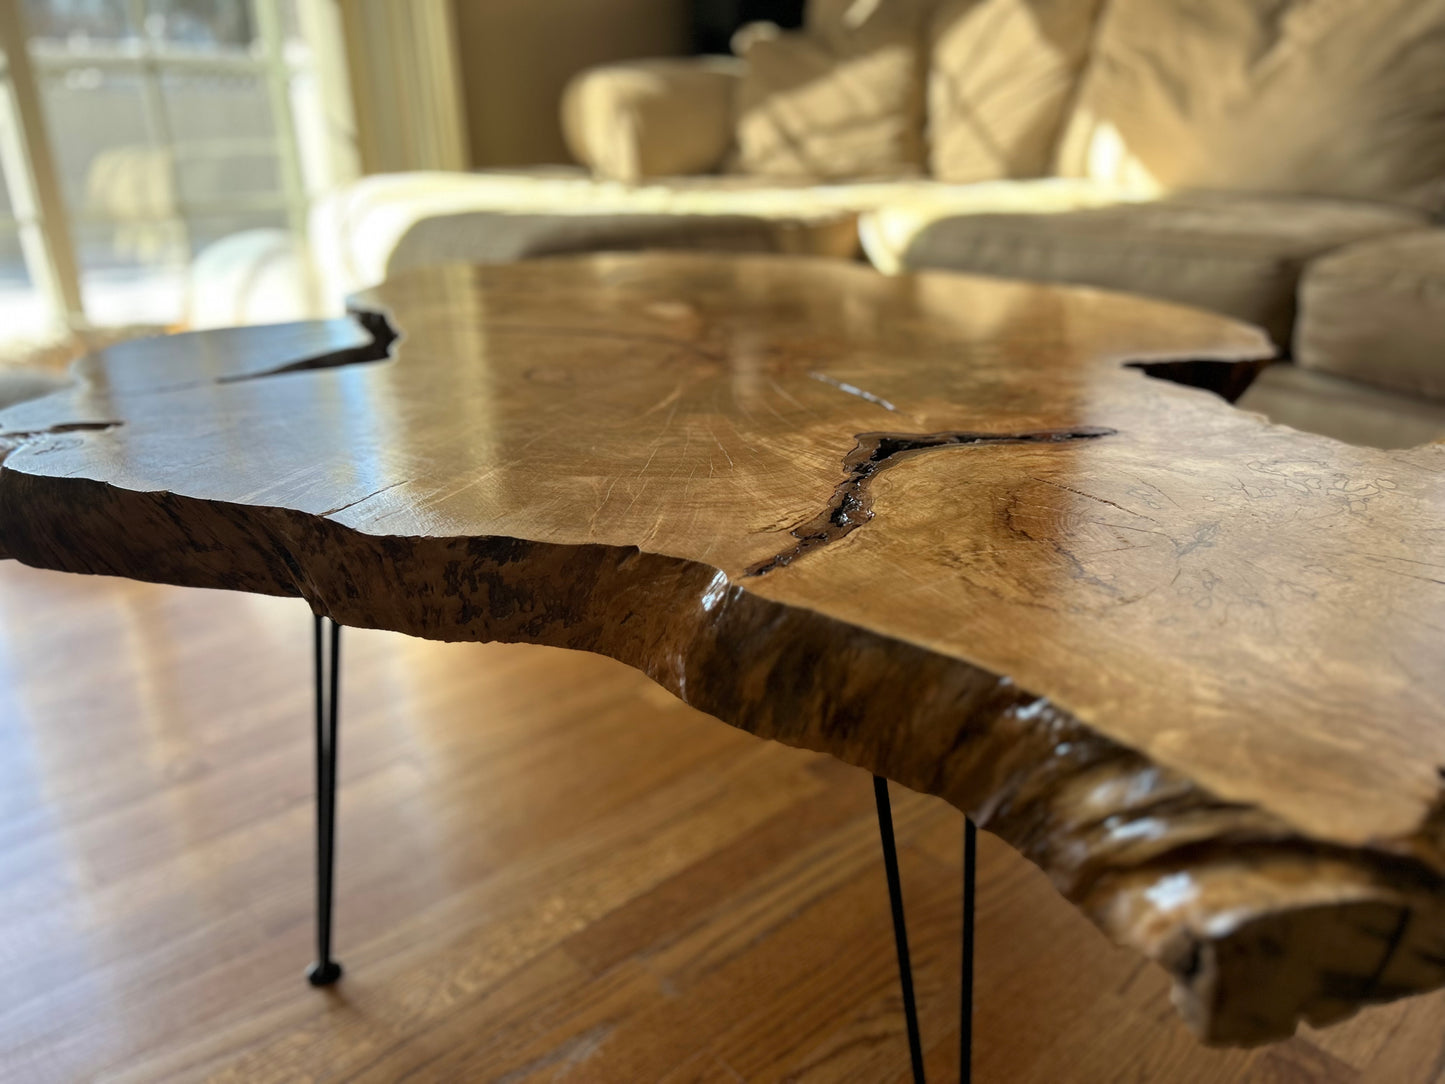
x=517 y=55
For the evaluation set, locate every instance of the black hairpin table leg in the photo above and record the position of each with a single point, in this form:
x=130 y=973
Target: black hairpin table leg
x=325 y=970
x=900 y=928
x=965 y=1021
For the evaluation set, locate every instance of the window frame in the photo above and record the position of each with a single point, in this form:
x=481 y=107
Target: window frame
x=40 y=214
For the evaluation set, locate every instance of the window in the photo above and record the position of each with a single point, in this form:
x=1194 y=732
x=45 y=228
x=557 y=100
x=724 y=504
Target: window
x=133 y=135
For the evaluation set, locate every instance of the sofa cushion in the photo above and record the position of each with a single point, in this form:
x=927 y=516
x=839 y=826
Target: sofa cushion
x=1375 y=312
x=1234 y=254
x=1321 y=97
x=1001 y=76
x=1344 y=409
x=355 y=232
x=834 y=104
x=652 y=118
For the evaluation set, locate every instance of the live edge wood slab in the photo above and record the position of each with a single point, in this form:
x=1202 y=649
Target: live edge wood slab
x=1189 y=663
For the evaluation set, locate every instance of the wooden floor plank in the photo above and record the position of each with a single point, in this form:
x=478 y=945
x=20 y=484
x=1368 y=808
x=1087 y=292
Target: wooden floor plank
x=549 y=870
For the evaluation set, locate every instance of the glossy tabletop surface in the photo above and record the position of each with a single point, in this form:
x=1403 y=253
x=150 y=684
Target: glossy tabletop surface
x=1188 y=662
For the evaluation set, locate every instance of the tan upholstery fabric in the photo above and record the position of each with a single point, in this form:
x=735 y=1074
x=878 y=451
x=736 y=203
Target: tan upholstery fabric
x=652 y=118
x=1001 y=78
x=1321 y=97
x=1344 y=409
x=1234 y=254
x=1375 y=312
x=907 y=209
x=498 y=216
x=835 y=104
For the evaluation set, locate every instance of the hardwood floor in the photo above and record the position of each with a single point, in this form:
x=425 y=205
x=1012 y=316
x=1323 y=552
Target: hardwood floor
x=549 y=870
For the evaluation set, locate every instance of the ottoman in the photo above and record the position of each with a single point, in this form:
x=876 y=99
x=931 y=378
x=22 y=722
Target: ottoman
x=1348 y=410
x=389 y=223
x=1369 y=346
x=1375 y=312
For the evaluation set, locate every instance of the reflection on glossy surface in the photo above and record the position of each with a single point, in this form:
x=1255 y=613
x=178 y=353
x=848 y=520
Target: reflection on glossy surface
x=530 y=840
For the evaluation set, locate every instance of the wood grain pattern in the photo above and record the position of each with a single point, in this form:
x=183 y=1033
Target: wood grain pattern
x=1186 y=662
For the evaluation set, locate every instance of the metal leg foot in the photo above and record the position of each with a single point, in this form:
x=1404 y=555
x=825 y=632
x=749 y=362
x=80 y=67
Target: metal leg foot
x=319 y=974
x=900 y=928
x=328 y=682
x=965 y=1022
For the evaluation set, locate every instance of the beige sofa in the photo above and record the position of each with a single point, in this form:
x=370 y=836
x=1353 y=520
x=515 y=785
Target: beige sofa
x=1278 y=160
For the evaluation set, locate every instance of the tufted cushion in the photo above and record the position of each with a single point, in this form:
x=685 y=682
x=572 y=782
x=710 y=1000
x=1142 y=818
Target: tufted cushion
x=1001 y=77
x=1375 y=312
x=1312 y=97
x=840 y=100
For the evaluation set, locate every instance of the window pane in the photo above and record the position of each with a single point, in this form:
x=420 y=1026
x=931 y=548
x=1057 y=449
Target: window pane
x=205 y=232
x=108 y=165
x=132 y=273
x=248 y=269
x=12 y=260
x=161 y=156
x=295 y=47
x=7 y=206
x=290 y=23
x=201 y=25
x=225 y=135
x=59 y=20
x=25 y=314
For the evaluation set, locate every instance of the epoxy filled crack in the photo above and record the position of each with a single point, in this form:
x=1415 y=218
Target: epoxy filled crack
x=852 y=504
x=383 y=335
x=62 y=427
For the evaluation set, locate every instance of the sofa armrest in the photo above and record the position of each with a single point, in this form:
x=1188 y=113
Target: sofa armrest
x=652 y=118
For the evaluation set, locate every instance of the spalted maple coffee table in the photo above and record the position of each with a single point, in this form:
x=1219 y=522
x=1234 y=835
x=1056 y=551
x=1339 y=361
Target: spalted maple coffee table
x=944 y=528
